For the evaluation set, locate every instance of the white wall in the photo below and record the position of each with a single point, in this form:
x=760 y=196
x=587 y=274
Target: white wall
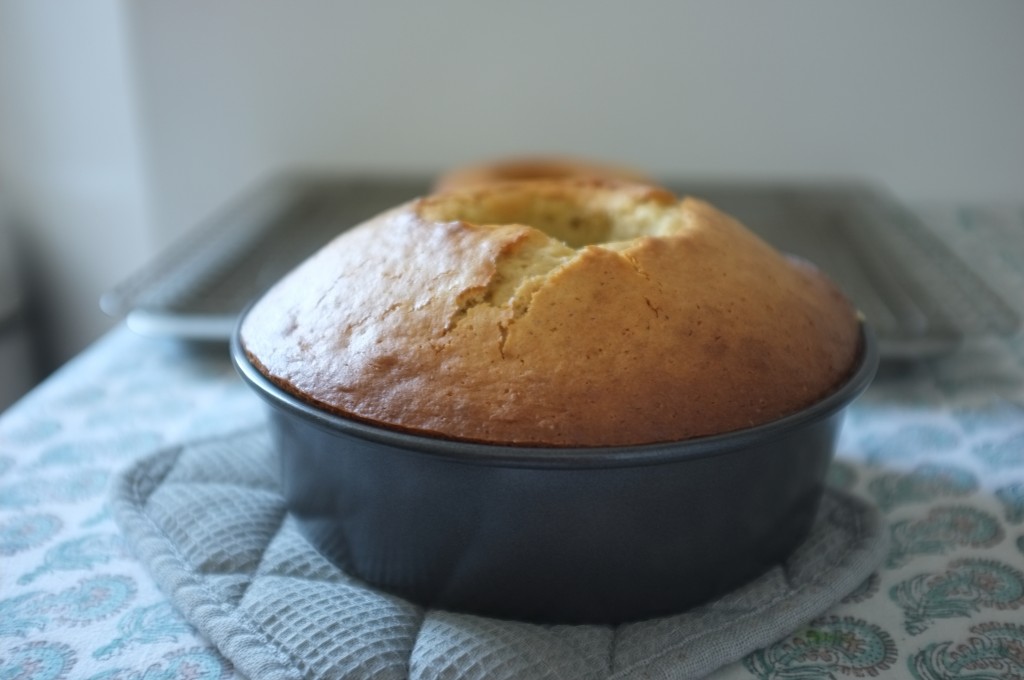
x=926 y=96
x=70 y=161
x=126 y=122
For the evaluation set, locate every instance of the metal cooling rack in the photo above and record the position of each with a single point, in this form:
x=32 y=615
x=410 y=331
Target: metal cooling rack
x=921 y=299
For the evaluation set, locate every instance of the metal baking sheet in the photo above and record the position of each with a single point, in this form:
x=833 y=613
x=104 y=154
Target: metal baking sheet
x=921 y=299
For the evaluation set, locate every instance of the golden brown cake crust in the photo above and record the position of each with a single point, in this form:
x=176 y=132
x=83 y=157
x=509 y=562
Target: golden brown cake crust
x=493 y=331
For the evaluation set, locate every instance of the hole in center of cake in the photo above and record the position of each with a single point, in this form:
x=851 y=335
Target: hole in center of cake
x=576 y=223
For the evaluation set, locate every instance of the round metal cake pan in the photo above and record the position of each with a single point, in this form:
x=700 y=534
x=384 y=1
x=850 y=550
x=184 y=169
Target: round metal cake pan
x=554 y=535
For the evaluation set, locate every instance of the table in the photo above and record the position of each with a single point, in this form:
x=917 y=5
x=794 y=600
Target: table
x=937 y=445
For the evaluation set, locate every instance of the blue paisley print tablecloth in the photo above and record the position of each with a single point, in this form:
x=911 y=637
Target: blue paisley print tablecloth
x=937 y=445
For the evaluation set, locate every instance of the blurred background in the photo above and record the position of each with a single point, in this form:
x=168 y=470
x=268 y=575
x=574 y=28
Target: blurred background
x=123 y=124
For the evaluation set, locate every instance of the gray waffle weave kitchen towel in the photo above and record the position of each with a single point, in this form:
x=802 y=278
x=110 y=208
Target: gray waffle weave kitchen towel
x=207 y=520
